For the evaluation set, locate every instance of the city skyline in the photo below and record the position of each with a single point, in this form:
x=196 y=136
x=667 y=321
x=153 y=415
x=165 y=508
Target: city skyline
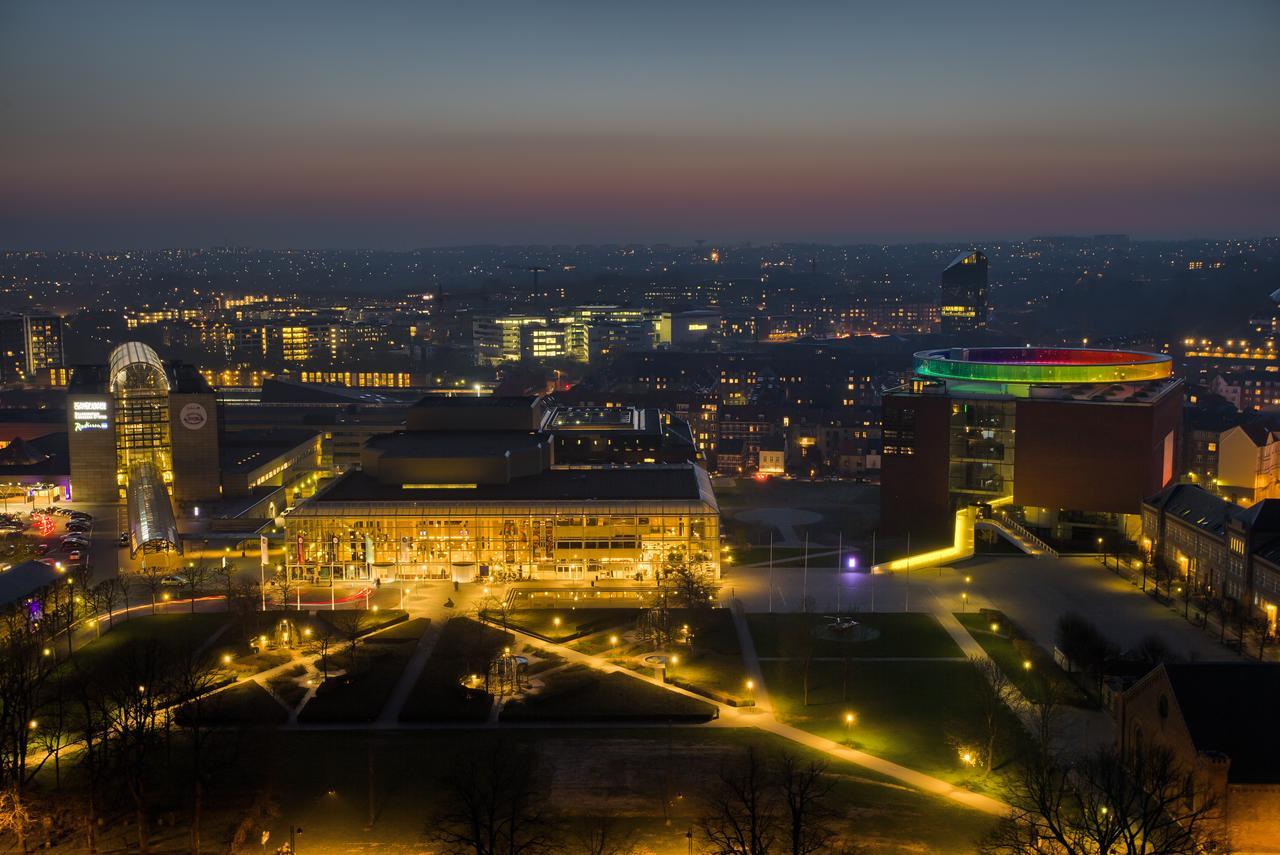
x=326 y=126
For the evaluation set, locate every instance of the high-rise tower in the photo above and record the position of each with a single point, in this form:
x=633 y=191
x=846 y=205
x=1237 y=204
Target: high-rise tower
x=963 y=301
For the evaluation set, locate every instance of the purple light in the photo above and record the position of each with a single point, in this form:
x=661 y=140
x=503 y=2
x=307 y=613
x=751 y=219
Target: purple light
x=852 y=563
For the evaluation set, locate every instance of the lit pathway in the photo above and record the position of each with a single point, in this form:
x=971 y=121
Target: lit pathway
x=749 y=659
x=919 y=780
x=764 y=720
x=412 y=670
x=1080 y=727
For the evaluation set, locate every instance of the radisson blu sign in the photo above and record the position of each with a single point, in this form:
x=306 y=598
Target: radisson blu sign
x=88 y=415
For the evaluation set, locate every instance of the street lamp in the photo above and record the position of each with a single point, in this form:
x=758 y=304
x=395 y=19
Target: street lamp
x=1026 y=664
x=849 y=719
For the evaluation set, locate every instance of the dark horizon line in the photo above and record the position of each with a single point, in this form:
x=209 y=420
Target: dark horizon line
x=707 y=245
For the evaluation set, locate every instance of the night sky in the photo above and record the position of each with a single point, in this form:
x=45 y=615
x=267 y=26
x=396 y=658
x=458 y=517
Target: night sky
x=413 y=124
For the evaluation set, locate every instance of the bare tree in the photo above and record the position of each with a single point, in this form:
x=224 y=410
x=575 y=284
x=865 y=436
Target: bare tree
x=491 y=607
x=152 y=578
x=108 y=593
x=25 y=667
x=742 y=813
x=1098 y=802
x=805 y=789
x=225 y=574
x=600 y=838
x=349 y=625
x=690 y=587
x=994 y=689
x=135 y=694
x=490 y=806
x=284 y=586
x=193 y=676
x=92 y=724
x=198 y=574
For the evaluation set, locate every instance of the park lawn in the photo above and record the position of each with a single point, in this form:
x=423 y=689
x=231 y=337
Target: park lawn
x=244 y=704
x=713 y=663
x=286 y=685
x=1043 y=679
x=582 y=775
x=902 y=634
x=913 y=713
x=409 y=630
x=573 y=622
x=369 y=620
x=579 y=693
x=372 y=672
x=176 y=632
x=464 y=647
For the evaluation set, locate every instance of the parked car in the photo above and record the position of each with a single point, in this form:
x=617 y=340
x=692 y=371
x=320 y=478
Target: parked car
x=85 y=524
x=41 y=548
x=173 y=581
x=74 y=556
x=81 y=515
x=73 y=540
x=123 y=540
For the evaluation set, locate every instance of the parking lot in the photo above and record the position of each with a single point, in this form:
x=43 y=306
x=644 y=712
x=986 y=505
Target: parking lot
x=67 y=535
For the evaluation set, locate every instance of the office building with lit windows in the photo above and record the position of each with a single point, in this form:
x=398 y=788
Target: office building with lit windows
x=962 y=304
x=1070 y=440
x=29 y=344
x=474 y=490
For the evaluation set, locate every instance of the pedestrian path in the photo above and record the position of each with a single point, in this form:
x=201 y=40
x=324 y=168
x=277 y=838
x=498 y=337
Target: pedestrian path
x=750 y=661
x=763 y=719
x=422 y=652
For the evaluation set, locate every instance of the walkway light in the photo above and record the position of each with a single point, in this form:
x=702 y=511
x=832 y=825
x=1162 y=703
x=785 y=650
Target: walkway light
x=1026 y=664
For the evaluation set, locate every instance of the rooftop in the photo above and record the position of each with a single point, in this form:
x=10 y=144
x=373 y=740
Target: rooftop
x=246 y=450
x=436 y=444
x=650 y=483
x=1040 y=365
x=1229 y=708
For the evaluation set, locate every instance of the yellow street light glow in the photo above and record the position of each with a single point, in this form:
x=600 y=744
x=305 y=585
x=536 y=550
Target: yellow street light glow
x=613 y=640
x=47 y=652
x=849 y=718
x=33 y=724
x=556 y=621
x=995 y=627
x=306 y=631
x=1104 y=810
x=375 y=608
x=751 y=684
x=968 y=579
x=1026 y=664
x=226 y=659
x=675 y=659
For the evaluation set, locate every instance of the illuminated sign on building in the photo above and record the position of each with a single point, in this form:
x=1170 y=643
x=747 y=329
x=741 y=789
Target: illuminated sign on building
x=193 y=416
x=697 y=327
x=89 y=415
